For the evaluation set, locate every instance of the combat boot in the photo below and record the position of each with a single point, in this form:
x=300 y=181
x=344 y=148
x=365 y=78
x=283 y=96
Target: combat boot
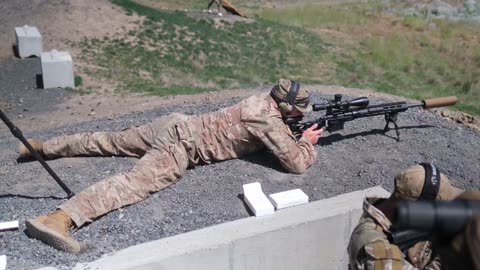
x=53 y=229
x=36 y=144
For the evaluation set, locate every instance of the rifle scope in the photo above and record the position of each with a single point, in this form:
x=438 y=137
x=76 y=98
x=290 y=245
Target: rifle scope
x=443 y=217
x=338 y=104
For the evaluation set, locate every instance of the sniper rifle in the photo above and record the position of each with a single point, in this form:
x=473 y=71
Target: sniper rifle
x=339 y=111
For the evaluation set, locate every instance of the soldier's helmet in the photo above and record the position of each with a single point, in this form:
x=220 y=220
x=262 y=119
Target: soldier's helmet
x=280 y=93
x=412 y=184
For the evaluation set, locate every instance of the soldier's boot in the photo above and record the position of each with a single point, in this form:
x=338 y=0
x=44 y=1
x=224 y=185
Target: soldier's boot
x=36 y=144
x=52 y=229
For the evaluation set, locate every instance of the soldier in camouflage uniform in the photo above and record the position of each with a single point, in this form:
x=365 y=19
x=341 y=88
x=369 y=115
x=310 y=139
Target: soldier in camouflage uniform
x=370 y=248
x=170 y=145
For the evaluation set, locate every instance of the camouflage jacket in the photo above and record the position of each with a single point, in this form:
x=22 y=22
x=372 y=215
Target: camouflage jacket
x=370 y=249
x=244 y=128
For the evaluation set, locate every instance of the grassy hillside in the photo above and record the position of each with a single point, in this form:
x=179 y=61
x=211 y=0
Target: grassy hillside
x=175 y=53
x=358 y=45
x=408 y=56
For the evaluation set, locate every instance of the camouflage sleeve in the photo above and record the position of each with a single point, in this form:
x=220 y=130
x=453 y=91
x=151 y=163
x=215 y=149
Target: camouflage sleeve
x=382 y=255
x=295 y=156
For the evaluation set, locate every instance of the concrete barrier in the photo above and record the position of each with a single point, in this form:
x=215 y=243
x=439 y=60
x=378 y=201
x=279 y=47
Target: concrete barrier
x=311 y=236
x=57 y=69
x=29 y=41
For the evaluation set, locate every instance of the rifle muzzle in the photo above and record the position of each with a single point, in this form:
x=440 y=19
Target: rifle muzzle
x=439 y=102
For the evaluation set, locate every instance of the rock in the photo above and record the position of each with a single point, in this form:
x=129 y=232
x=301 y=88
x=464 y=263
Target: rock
x=468 y=118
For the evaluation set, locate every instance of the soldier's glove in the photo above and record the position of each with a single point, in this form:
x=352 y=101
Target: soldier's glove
x=420 y=254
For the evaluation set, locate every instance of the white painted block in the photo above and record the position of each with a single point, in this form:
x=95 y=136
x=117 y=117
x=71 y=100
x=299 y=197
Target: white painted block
x=288 y=198
x=3 y=262
x=57 y=69
x=29 y=41
x=11 y=225
x=256 y=200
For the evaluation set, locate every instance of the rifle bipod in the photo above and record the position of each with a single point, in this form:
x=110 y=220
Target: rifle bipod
x=18 y=134
x=391 y=118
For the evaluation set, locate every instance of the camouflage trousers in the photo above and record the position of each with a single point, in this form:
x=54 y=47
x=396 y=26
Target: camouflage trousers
x=165 y=155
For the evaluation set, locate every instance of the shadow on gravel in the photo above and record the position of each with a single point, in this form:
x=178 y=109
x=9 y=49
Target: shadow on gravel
x=39 y=81
x=32 y=159
x=25 y=159
x=2 y=196
x=336 y=137
x=242 y=198
x=266 y=160
x=15 y=50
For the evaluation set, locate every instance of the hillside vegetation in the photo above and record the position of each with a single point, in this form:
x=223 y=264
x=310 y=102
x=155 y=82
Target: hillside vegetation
x=354 y=45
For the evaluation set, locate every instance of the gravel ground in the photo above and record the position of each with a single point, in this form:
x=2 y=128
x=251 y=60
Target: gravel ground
x=19 y=92
x=359 y=157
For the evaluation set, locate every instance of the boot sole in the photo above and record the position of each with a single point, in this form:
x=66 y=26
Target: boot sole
x=52 y=238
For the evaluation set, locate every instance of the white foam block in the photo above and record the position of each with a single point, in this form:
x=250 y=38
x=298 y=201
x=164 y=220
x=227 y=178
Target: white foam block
x=11 y=225
x=29 y=41
x=57 y=69
x=3 y=262
x=288 y=198
x=256 y=200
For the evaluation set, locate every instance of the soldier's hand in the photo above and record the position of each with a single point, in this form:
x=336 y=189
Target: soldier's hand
x=313 y=135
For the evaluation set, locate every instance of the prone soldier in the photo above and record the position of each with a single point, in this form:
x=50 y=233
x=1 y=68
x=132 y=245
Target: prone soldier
x=167 y=147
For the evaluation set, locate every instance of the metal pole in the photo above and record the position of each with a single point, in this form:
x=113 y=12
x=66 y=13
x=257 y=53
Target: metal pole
x=18 y=134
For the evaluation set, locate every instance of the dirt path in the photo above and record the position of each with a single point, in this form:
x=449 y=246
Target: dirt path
x=61 y=22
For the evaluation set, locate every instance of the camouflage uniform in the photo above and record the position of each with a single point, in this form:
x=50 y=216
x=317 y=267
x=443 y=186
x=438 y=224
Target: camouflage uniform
x=370 y=249
x=171 y=144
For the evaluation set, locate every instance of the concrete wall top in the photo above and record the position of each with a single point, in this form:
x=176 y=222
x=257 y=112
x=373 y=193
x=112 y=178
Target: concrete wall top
x=213 y=237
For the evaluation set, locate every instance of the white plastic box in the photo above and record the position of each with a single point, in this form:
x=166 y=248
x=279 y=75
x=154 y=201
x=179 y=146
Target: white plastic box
x=288 y=198
x=29 y=41
x=256 y=200
x=10 y=225
x=3 y=262
x=57 y=69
